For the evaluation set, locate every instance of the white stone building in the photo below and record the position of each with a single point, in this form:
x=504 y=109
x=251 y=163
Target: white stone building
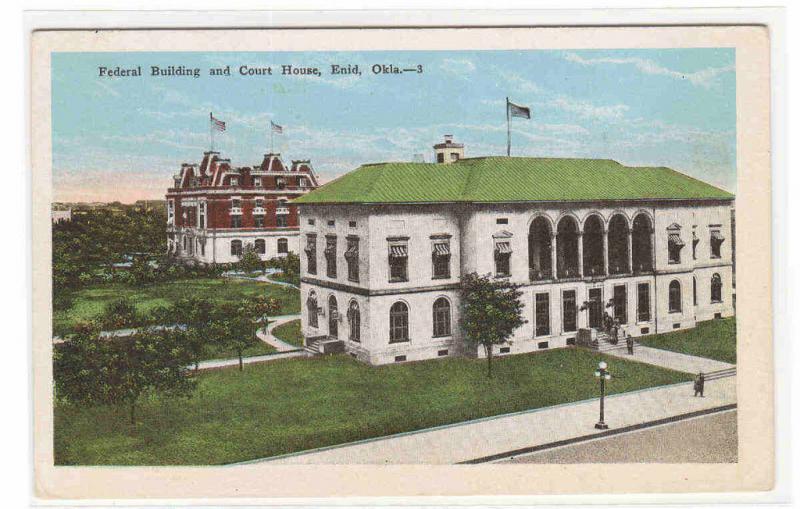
x=385 y=246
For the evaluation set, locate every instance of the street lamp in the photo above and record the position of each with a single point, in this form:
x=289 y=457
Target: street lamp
x=603 y=374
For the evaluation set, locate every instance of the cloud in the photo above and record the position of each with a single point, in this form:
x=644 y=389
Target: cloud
x=105 y=89
x=587 y=109
x=516 y=83
x=705 y=78
x=458 y=65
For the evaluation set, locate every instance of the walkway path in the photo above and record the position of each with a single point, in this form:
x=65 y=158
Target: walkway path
x=268 y=338
x=224 y=363
x=495 y=436
x=671 y=360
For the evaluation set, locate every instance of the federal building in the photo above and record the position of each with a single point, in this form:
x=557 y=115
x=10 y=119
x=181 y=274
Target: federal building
x=384 y=247
x=215 y=210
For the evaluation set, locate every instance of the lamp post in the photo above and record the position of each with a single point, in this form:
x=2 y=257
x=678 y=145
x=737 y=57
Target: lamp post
x=603 y=374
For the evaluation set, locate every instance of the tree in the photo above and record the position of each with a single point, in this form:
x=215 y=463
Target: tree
x=92 y=370
x=120 y=313
x=234 y=328
x=196 y=315
x=491 y=311
x=250 y=261
x=261 y=307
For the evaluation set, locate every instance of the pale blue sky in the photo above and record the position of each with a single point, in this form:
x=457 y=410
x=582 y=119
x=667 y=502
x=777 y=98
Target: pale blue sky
x=123 y=138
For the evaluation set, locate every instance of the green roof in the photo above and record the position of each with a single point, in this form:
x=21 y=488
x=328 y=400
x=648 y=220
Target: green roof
x=510 y=179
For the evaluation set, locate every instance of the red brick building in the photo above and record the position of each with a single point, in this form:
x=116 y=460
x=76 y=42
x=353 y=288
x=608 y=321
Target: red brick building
x=214 y=210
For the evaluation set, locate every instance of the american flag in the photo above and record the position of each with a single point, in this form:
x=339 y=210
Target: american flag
x=217 y=124
x=276 y=128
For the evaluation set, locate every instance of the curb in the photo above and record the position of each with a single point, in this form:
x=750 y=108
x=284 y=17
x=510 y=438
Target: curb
x=602 y=434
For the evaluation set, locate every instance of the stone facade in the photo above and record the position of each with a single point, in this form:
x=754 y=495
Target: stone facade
x=650 y=263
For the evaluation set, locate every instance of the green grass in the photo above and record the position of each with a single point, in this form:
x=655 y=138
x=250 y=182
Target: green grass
x=90 y=302
x=290 y=333
x=714 y=339
x=299 y=404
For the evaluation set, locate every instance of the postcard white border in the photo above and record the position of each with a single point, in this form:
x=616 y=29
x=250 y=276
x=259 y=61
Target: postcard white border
x=50 y=481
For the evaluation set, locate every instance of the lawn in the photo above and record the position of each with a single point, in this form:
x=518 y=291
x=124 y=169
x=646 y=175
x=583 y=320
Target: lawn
x=714 y=339
x=290 y=333
x=299 y=404
x=89 y=302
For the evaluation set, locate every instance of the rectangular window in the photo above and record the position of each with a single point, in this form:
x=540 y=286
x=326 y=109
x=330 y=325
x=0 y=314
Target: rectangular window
x=542 y=345
x=643 y=302
x=441 y=260
x=570 y=311
x=312 y=222
x=257 y=181
x=331 y=222
x=234 y=181
x=398 y=262
x=442 y=353
x=351 y=255
x=621 y=303
x=502 y=259
x=311 y=253
x=505 y=349
x=236 y=221
x=236 y=203
x=400 y=358
x=258 y=221
x=542 y=314
x=502 y=220
x=330 y=255
x=202 y=223
x=352 y=224
x=674 y=246
x=281 y=221
x=280 y=183
x=716 y=244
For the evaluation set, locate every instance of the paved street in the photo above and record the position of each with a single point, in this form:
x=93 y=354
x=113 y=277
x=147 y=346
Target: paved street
x=707 y=439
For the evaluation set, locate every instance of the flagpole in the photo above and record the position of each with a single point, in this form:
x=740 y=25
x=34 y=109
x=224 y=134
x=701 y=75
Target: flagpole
x=211 y=129
x=271 y=138
x=508 y=122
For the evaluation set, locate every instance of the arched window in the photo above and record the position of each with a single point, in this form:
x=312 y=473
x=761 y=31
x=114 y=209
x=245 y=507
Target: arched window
x=261 y=246
x=313 y=311
x=675 y=297
x=236 y=247
x=333 y=317
x=694 y=290
x=283 y=246
x=441 y=317
x=716 y=288
x=354 y=318
x=398 y=322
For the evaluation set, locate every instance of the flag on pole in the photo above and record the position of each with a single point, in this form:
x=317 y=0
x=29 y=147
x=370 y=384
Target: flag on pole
x=514 y=110
x=275 y=127
x=217 y=124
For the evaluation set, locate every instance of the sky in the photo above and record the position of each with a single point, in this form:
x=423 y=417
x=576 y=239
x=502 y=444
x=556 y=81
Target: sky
x=123 y=138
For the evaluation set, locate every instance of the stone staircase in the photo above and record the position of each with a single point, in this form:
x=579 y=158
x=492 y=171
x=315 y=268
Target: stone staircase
x=601 y=341
x=312 y=345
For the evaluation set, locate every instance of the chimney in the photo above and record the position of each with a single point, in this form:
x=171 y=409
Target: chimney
x=449 y=151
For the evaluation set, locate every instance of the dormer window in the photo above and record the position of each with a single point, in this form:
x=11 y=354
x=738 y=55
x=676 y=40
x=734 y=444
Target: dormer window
x=234 y=181
x=257 y=181
x=280 y=183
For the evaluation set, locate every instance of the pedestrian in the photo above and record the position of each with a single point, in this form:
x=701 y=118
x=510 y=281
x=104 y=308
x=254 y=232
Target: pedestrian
x=629 y=342
x=699 y=384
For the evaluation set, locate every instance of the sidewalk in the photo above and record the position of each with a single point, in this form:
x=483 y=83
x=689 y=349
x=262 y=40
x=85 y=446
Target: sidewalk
x=224 y=363
x=268 y=338
x=670 y=360
x=483 y=438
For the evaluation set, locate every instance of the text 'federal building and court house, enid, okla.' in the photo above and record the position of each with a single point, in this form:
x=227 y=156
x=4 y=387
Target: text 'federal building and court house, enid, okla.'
x=384 y=246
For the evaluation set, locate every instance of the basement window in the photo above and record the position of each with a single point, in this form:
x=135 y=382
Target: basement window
x=400 y=358
x=717 y=316
x=505 y=349
x=676 y=326
x=442 y=353
x=570 y=341
x=645 y=330
x=543 y=344
x=502 y=220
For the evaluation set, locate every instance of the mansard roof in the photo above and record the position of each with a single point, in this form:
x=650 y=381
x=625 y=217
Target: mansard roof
x=510 y=179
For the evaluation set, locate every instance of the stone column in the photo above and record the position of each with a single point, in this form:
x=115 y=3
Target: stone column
x=653 y=250
x=605 y=251
x=554 y=255
x=630 y=250
x=580 y=254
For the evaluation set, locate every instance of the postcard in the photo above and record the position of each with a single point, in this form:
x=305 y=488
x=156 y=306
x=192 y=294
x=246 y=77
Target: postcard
x=401 y=262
